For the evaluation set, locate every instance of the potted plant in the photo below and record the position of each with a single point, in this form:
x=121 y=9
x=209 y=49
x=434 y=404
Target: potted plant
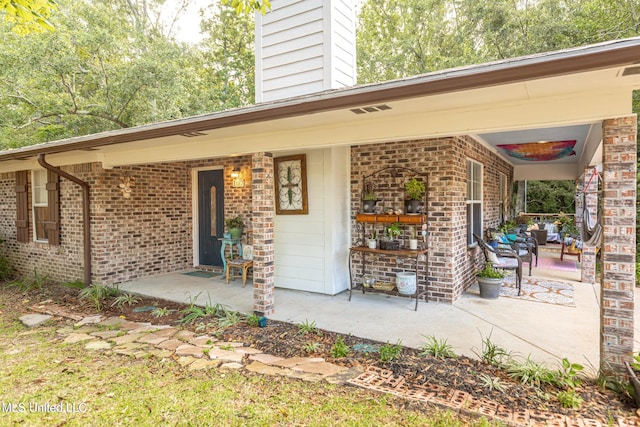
x=369 y=197
x=389 y=239
x=415 y=193
x=489 y=281
x=235 y=227
x=413 y=242
x=371 y=241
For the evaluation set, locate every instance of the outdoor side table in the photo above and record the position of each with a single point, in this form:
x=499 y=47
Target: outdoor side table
x=229 y=242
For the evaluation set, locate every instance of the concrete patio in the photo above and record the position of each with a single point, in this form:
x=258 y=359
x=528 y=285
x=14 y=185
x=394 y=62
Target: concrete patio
x=547 y=332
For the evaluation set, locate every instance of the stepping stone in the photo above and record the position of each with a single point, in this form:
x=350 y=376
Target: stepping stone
x=33 y=320
x=189 y=350
x=186 y=360
x=225 y=355
x=133 y=326
x=344 y=376
x=152 y=339
x=248 y=350
x=160 y=354
x=129 y=349
x=98 y=345
x=166 y=331
x=105 y=334
x=261 y=368
x=89 y=320
x=184 y=335
x=321 y=368
x=76 y=338
x=200 y=364
x=265 y=358
x=123 y=339
x=231 y=365
x=86 y=329
x=203 y=341
x=170 y=344
x=294 y=361
x=230 y=344
x=144 y=328
x=64 y=330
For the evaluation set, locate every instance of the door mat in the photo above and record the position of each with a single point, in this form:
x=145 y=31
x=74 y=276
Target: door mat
x=556 y=264
x=202 y=273
x=537 y=290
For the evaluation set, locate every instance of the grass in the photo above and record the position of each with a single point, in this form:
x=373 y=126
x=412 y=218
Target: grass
x=119 y=390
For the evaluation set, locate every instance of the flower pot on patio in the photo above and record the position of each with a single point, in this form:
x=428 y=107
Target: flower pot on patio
x=406 y=283
x=489 y=281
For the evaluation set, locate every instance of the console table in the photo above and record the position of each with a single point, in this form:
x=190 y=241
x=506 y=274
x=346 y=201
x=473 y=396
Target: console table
x=229 y=242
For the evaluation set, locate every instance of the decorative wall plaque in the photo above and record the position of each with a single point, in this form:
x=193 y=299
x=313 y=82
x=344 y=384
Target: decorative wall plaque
x=291 y=185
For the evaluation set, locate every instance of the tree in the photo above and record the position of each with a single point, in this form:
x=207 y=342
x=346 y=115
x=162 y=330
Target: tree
x=27 y=16
x=248 y=6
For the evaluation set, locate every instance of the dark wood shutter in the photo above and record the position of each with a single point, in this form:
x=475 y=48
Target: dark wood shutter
x=22 y=205
x=52 y=226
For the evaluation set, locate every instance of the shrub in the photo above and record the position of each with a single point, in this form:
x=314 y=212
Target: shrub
x=339 y=349
x=437 y=348
x=530 y=372
x=570 y=399
x=390 y=352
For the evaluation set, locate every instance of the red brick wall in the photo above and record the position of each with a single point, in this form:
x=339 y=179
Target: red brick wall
x=148 y=234
x=451 y=267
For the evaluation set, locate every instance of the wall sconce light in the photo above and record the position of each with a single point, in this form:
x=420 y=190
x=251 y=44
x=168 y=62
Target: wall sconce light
x=237 y=182
x=126 y=182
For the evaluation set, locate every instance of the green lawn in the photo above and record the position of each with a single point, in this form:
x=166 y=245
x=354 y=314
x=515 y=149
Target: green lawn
x=112 y=390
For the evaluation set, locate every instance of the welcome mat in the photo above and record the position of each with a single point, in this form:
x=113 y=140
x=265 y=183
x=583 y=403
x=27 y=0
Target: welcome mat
x=202 y=273
x=556 y=264
x=537 y=290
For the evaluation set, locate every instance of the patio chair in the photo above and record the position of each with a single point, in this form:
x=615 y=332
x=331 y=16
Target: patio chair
x=243 y=264
x=526 y=246
x=505 y=259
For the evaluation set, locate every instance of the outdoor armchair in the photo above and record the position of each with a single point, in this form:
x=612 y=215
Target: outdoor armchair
x=503 y=258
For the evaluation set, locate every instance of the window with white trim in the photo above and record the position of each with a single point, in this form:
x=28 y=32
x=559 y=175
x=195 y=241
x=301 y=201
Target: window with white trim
x=474 y=200
x=40 y=204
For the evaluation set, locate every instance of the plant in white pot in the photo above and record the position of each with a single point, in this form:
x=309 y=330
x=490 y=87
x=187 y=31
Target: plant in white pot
x=413 y=241
x=490 y=280
x=415 y=193
x=371 y=241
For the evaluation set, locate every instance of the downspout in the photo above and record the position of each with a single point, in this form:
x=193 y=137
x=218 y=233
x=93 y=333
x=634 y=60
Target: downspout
x=86 y=223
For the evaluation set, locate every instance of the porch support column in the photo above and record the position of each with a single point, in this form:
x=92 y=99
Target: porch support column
x=588 y=257
x=619 y=250
x=263 y=208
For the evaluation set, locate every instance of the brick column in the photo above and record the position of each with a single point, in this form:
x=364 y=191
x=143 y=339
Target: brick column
x=619 y=223
x=263 y=208
x=588 y=257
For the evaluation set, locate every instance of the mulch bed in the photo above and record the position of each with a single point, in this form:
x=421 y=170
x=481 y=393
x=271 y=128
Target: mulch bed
x=286 y=340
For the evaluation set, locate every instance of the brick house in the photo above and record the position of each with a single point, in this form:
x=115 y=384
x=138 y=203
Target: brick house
x=151 y=191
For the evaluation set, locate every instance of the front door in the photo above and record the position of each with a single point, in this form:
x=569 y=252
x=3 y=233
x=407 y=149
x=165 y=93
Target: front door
x=211 y=216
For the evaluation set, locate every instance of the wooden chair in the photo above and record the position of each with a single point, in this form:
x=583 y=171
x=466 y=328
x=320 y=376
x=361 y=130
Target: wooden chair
x=505 y=259
x=242 y=264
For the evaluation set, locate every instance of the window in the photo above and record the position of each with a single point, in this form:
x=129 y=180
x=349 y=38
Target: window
x=40 y=205
x=474 y=200
x=504 y=197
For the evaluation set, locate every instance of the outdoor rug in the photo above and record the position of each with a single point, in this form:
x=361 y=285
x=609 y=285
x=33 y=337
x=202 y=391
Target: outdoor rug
x=539 y=290
x=555 y=264
x=201 y=273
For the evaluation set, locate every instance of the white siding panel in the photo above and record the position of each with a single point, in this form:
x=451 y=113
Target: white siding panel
x=292 y=33
x=293 y=22
x=307 y=285
x=284 y=9
x=291 y=57
x=308 y=77
x=288 y=92
x=293 y=45
x=293 y=68
x=299 y=247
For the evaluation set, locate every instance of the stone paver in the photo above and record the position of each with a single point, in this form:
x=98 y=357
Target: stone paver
x=166 y=332
x=231 y=365
x=86 y=329
x=159 y=353
x=189 y=350
x=184 y=335
x=33 y=320
x=293 y=361
x=203 y=341
x=130 y=348
x=98 y=345
x=105 y=334
x=267 y=359
x=76 y=338
x=321 y=368
x=263 y=368
x=170 y=344
x=200 y=364
x=152 y=339
x=127 y=338
x=248 y=350
x=89 y=320
x=186 y=360
x=225 y=355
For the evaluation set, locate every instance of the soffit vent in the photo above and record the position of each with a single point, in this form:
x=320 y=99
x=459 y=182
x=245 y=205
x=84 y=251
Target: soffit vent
x=631 y=71
x=370 y=109
x=192 y=134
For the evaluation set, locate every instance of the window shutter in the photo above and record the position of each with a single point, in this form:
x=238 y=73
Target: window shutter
x=52 y=226
x=22 y=206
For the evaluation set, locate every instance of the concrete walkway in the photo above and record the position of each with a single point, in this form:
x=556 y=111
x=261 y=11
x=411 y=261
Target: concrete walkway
x=547 y=332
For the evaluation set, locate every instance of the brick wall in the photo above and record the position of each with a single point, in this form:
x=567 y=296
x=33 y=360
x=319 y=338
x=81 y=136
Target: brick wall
x=148 y=234
x=451 y=265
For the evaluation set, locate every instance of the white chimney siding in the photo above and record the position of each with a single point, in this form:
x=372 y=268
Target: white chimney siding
x=303 y=47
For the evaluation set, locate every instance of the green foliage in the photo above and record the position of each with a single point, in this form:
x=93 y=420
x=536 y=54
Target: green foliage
x=123 y=299
x=492 y=383
x=339 y=349
x=28 y=16
x=234 y=222
x=493 y=354
x=76 y=284
x=311 y=347
x=567 y=375
x=96 y=294
x=229 y=318
x=253 y=320
x=29 y=284
x=161 y=312
x=210 y=311
x=389 y=352
x=6 y=271
x=393 y=230
x=415 y=189
x=248 y=6
x=530 y=372
x=488 y=272
x=307 y=327
x=439 y=349
x=570 y=399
